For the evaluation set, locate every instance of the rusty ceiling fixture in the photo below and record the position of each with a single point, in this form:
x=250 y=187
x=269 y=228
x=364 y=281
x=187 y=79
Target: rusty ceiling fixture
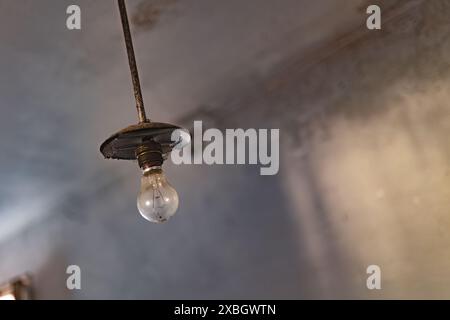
x=149 y=143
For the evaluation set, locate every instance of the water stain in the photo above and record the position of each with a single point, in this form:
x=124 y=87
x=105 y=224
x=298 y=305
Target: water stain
x=148 y=13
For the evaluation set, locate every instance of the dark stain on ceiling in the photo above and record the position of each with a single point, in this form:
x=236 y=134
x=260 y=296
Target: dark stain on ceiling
x=148 y=13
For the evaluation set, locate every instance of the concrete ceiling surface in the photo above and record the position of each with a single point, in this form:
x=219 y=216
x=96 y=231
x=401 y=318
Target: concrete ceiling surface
x=62 y=92
x=237 y=234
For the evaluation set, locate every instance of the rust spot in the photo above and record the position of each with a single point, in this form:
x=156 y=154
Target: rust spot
x=148 y=13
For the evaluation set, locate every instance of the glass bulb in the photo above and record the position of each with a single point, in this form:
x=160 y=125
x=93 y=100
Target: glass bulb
x=157 y=200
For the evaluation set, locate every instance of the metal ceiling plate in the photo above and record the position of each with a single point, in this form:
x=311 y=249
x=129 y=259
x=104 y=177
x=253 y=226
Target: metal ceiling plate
x=123 y=144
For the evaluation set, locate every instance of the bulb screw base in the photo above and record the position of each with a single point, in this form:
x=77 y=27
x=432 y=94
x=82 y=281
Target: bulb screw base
x=149 y=155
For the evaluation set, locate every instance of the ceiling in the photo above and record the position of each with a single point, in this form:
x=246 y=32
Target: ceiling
x=62 y=92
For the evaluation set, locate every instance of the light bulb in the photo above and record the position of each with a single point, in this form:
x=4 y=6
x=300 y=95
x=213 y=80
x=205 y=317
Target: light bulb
x=157 y=200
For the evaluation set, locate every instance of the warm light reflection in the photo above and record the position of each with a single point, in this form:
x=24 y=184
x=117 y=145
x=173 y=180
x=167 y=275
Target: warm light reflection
x=7 y=296
x=379 y=187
